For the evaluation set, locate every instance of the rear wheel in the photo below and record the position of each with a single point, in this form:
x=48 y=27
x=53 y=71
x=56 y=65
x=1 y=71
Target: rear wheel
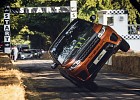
x=124 y=46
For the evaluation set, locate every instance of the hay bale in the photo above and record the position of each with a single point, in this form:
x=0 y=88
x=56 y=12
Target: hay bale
x=4 y=58
x=11 y=85
x=126 y=63
x=12 y=92
x=5 y=61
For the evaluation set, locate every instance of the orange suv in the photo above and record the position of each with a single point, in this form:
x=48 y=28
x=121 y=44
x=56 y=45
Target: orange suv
x=82 y=49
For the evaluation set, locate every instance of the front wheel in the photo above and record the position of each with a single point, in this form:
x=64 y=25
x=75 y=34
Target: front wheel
x=124 y=46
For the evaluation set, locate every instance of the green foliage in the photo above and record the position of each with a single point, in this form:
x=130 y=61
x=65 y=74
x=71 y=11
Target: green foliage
x=126 y=5
x=40 y=30
x=40 y=40
x=86 y=8
x=16 y=4
x=90 y=7
x=25 y=27
x=7 y=2
x=19 y=39
x=25 y=30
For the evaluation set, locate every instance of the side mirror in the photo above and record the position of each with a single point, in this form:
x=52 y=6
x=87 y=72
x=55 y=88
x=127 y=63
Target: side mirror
x=92 y=18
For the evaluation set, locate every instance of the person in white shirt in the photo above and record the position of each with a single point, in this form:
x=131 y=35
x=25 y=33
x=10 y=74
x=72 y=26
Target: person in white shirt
x=15 y=49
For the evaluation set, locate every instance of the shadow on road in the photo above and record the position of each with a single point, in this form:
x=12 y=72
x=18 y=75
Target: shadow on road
x=43 y=83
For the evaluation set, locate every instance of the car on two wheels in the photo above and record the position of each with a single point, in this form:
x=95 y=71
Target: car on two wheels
x=82 y=48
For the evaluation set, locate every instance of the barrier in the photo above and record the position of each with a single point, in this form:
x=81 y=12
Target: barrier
x=127 y=63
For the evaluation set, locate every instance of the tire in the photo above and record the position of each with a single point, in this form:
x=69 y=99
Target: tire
x=124 y=46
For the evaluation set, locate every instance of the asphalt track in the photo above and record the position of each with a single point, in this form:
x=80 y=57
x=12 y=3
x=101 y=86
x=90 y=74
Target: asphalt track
x=43 y=83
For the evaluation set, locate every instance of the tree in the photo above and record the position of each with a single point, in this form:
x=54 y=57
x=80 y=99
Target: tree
x=136 y=4
x=126 y=5
x=88 y=7
x=34 y=25
x=50 y=25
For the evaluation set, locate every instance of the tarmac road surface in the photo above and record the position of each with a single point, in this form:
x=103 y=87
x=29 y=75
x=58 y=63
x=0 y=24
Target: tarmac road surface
x=43 y=83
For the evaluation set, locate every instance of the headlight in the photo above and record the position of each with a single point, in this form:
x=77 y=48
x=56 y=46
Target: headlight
x=75 y=64
x=35 y=53
x=31 y=55
x=22 y=56
x=100 y=34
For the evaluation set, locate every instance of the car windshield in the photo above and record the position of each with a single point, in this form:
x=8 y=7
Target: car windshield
x=72 y=40
x=26 y=51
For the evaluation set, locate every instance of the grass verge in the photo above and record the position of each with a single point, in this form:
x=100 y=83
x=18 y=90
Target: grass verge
x=11 y=87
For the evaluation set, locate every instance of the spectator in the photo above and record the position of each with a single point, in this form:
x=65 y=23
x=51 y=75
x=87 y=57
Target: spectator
x=15 y=50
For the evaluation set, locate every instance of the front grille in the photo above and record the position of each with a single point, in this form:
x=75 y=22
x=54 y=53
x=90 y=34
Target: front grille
x=88 y=49
x=92 y=67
